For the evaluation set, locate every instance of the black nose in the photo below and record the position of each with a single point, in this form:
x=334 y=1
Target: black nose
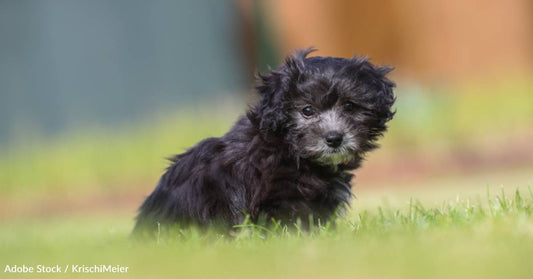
x=334 y=139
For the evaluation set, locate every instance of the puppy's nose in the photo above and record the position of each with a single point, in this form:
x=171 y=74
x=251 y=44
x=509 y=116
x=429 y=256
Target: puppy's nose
x=334 y=139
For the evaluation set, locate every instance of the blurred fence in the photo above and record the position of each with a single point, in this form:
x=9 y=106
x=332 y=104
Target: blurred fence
x=429 y=41
x=67 y=63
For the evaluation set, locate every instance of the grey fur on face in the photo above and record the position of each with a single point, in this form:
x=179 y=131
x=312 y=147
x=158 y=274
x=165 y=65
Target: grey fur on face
x=313 y=131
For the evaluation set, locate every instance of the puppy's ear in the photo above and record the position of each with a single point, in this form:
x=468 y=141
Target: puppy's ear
x=270 y=110
x=385 y=90
x=273 y=109
x=377 y=91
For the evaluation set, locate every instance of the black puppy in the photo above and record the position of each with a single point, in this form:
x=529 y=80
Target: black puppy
x=289 y=157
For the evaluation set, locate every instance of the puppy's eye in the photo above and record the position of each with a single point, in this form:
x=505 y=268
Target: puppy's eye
x=349 y=106
x=308 y=111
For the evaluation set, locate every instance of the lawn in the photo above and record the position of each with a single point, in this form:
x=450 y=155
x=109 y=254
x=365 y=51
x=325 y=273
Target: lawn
x=487 y=235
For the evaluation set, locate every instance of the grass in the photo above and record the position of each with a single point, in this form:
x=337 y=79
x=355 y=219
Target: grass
x=483 y=237
x=98 y=160
x=454 y=115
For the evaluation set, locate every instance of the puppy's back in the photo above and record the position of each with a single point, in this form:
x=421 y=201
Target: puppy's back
x=188 y=192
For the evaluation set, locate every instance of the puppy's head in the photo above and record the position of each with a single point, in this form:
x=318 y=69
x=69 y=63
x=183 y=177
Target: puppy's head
x=329 y=110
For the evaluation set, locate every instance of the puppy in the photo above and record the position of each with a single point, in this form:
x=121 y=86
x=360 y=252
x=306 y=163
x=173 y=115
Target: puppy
x=288 y=158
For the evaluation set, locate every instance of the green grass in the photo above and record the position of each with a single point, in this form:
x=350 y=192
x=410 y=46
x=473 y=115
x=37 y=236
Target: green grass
x=100 y=160
x=457 y=114
x=489 y=236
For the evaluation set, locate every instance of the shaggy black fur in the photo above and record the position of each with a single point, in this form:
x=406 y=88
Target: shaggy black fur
x=261 y=167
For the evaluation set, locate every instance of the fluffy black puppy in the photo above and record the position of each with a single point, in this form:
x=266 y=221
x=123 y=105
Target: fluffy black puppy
x=289 y=157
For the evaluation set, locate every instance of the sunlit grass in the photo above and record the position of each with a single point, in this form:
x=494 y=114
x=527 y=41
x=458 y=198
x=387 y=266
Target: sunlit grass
x=490 y=237
x=99 y=159
x=458 y=114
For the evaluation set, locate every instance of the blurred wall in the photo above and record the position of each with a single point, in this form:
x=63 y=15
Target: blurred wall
x=69 y=63
x=441 y=40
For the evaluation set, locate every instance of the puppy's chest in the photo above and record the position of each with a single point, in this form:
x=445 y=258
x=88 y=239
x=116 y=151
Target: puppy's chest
x=307 y=186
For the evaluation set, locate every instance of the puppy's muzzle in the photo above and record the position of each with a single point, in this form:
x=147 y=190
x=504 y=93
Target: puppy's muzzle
x=333 y=139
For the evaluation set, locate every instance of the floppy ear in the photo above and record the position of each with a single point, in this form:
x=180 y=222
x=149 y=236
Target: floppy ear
x=270 y=109
x=386 y=93
x=273 y=109
x=375 y=77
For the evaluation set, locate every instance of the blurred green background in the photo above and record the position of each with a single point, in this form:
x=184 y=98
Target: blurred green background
x=94 y=95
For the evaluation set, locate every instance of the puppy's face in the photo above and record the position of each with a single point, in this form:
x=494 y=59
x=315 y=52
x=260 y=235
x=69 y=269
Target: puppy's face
x=326 y=123
x=330 y=110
